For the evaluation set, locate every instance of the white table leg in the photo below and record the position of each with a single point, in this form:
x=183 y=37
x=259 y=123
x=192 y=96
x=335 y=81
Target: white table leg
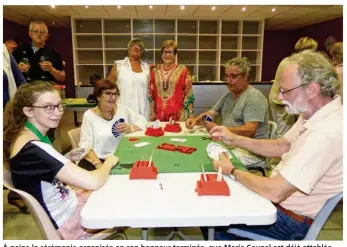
x=144 y=233
x=211 y=233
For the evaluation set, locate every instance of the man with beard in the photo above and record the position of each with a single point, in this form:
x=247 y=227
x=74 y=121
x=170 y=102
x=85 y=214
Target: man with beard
x=244 y=109
x=310 y=171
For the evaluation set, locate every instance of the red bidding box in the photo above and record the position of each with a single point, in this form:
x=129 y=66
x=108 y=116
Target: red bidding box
x=140 y=170
x=150 y=131
x=173 y=128
x=212 y=187
x=167 y=146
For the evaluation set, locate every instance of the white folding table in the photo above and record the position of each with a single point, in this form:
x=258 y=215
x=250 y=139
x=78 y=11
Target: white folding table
x=171 y=201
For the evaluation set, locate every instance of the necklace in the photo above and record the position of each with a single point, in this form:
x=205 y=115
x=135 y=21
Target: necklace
x=168 y=68
x=103 y=116
x=165 y=76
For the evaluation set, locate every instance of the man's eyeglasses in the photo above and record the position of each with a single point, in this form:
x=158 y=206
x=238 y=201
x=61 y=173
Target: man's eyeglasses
x=232 y=76
x=168 y=53
x=110 y=94
x=43 y=32
x=50 y=108
x=283 y=92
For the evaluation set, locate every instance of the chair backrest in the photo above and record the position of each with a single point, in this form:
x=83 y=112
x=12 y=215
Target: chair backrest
x=322 y=217
x=39 y=214
x=272 y=130
x=74 y=136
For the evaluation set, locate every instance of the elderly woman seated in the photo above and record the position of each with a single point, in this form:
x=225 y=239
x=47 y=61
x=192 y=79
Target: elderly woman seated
x=104 y=126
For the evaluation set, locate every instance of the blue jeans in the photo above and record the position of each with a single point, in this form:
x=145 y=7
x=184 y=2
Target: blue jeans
x=285 y=228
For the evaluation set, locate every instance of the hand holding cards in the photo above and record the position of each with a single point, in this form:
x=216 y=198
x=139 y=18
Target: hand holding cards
x=156 y=124
x=207 y=118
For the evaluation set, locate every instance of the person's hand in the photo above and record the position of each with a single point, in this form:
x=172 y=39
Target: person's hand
x=124 y=128
x=75 y=154
x=190 y=123
x=153 y=116
x=223 y=162
x=221 y=133
x=46 y=66
x=111 y=160
x=152 y=66
x=209 y=125
x=23 y=67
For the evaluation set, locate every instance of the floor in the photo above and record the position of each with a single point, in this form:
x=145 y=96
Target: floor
x=18 y=226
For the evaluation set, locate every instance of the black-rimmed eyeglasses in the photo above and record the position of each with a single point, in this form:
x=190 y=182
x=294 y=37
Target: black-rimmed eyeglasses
x=50 y=108
x=283 y=92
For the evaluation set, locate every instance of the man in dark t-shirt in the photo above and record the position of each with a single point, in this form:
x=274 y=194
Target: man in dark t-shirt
x=38 y=61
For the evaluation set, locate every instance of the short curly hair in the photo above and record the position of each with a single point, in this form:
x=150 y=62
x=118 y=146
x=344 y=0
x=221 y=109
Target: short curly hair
x=104 y=84
x=243 y=63
x=336 y=52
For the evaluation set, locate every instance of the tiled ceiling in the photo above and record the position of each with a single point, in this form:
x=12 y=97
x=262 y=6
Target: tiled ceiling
x=284 y=17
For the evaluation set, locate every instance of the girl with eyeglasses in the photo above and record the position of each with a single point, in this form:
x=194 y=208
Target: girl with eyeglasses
x=38 y=169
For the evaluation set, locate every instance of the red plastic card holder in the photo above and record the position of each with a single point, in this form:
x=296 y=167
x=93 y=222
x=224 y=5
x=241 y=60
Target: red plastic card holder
x=211 y=187
x=150 y=131
x=186 y=150
x=133 y=139
x=167 y=146
x=173 y=127
x=140 y=170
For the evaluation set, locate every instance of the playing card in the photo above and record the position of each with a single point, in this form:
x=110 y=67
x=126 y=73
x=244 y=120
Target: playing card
x=114 y=130
x=207 y=118
x=86 y=144
x=214 y=150
x=141 y=144
x=156 y=124
x=178 y=139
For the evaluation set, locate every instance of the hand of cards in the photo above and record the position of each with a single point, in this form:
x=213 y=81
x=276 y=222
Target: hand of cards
x=115 y=130
x=207 y=118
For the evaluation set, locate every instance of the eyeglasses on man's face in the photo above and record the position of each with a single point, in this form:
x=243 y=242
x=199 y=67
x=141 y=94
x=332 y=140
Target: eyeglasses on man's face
x=284 y=91
x=231 y=76
x=50 y=108
x=110 y=94
x=36 y=31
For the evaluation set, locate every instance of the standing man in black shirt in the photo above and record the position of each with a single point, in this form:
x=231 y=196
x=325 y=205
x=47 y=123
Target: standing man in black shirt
x=37 y=61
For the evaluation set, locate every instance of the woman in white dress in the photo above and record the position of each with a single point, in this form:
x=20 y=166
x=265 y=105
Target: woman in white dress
x=132 y=77
x=104 y=126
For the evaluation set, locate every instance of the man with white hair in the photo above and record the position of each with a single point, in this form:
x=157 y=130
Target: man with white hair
x=311 y=168
x=37 y=59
